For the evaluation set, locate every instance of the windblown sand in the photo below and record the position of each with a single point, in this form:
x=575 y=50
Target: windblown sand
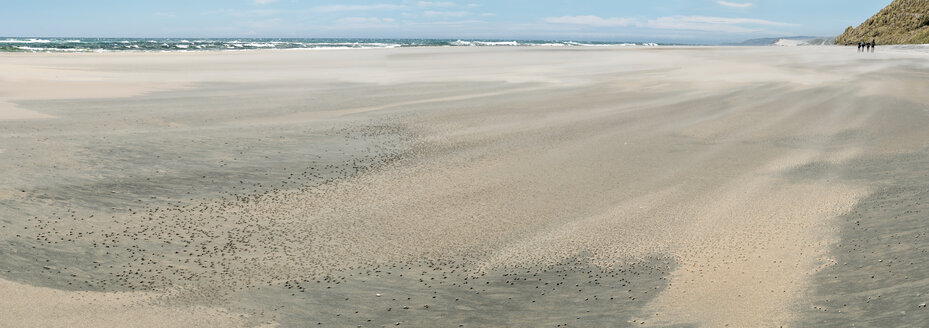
x=465 y=186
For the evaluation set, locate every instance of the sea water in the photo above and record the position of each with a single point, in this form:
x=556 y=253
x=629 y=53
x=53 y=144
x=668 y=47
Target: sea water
x=9 y=44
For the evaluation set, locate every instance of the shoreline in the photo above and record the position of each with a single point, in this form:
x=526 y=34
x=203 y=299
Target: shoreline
x=915 y=49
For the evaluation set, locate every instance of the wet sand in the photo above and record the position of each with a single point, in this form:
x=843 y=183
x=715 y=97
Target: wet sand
x=465 y=186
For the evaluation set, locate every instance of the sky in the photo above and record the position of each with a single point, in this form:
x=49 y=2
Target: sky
x=678 y=21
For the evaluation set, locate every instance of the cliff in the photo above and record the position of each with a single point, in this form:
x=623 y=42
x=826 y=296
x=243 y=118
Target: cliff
x=901 y=22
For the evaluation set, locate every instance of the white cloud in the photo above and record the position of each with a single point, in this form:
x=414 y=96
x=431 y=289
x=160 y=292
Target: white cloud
x=685 y=24
x=165 y=15
x=591 y=21
x=469 y=22
x=363 y=23
x=335 y=8
x=435 y=4
x=734 y=4
x=712 y=24
x=365 y=20
x=446 y=13
x=264 y=24
x=263 y=2
x=252 y=13
x=689 y=23
x=729 y=21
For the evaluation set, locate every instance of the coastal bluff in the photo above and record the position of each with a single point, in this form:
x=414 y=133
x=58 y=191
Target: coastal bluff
x=901 y=22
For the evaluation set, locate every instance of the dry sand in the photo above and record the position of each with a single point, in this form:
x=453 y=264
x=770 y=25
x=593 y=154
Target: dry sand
x=460 y=186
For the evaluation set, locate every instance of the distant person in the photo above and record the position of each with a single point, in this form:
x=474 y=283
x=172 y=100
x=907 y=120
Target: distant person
x=859 y=46
x=873 y=44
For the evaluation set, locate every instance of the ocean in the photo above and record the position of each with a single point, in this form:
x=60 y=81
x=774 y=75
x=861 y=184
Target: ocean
x=9 y=44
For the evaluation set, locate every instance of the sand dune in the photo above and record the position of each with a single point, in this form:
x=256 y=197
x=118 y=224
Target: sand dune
x=483 y=187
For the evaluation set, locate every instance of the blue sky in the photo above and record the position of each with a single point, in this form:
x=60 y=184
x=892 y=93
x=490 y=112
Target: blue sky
x=686 y=21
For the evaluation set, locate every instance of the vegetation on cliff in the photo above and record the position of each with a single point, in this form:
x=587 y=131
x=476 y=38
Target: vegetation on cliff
x=901 y=22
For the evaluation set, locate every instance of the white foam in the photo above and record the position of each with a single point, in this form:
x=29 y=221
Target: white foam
x=34 y=49
x=579 y=44
x=26 y=41
x=495 y=44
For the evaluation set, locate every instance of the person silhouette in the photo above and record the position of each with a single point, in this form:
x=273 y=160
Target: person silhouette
x=859 y=46
x=873 y=45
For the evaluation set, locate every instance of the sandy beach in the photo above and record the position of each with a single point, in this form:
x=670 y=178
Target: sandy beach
x=475 y=187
